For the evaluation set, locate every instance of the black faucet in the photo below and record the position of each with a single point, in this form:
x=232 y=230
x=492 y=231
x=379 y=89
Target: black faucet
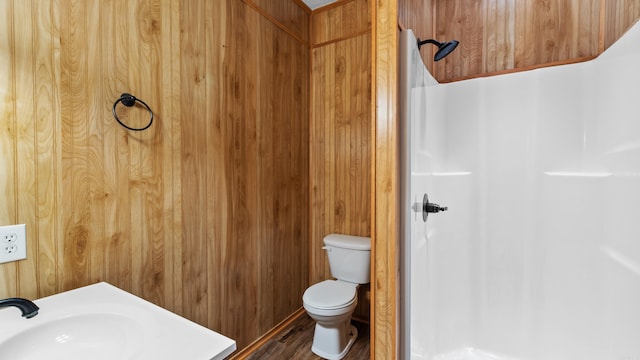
x=28 y=308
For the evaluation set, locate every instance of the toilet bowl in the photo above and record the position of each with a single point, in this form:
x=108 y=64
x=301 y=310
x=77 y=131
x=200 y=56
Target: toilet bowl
x=334 y=334
x=332 y=302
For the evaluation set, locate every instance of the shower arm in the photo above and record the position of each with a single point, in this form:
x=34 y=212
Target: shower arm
x=428 y=41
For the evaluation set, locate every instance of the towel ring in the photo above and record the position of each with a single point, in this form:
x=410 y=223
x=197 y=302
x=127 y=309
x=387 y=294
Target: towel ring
x=130 y=100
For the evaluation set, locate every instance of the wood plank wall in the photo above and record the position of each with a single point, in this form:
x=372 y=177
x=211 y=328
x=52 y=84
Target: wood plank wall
x=510 y=35
x=341 y=20
x=618 y=15
x=340 y=144
x=418 y=15
x=206 y=212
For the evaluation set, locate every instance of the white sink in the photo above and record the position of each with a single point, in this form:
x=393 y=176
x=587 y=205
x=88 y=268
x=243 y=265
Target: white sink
x=100 y=322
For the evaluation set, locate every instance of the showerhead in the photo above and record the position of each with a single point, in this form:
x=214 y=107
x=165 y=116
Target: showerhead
x=443 y=48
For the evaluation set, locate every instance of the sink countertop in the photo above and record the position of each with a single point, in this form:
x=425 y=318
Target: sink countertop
x=69 y=323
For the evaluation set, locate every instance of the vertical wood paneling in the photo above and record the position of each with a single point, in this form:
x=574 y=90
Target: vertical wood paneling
x=289 y=14
x=8 y=138
x=101 y=203
x=25 y=86
x=117 y=200
x=135 y=61
x=500 y=35
x=76 y=245
x=418 y=15
x=242 y=247
x=340 y=142
x=268 y=227
x=560 y=30
x=150 y=27
x=196 y=213
x=47 y=117
x=467 y=17
x=276 y=149
x=619 y=16
x=340 y=22
x=218 y=185
x=95 y=130
x=193 y=156
x=171 y=130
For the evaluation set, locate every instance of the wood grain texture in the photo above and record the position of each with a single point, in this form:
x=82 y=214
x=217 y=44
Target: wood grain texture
x=384 y=179
x=340 y=21
x=294 y=342
x=500 y=35
x=418 y=15
x=292 y=15
x=48 y=148
x=269 y=336
x=618 y=16
x=8 y=158
x=181 y=214
x=196 y=213
x=340 y=148
x=25 y=128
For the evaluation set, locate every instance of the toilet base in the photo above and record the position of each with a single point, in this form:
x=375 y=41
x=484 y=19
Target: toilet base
x=333 y=343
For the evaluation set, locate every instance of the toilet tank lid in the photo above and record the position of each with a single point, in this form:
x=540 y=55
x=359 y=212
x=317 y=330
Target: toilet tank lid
x=348 y=242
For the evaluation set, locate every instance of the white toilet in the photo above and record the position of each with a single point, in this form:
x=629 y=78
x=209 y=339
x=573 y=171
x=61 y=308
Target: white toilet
x=331 y=302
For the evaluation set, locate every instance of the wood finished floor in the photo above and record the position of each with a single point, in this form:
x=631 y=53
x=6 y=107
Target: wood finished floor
x=294 y=343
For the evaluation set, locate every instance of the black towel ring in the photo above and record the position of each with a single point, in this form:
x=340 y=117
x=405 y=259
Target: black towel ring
x=130 y=100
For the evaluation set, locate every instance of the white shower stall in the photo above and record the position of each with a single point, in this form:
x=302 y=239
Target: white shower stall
x=538 y=254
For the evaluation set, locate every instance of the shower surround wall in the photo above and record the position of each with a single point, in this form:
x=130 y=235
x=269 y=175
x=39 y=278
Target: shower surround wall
x=538 y=257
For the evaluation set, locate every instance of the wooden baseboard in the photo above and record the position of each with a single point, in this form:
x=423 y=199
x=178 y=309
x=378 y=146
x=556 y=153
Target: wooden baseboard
x=244 y=353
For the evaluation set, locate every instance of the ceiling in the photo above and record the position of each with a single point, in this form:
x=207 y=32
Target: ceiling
x=314 y=4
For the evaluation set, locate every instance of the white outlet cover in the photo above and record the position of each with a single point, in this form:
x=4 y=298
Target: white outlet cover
x=20 y=244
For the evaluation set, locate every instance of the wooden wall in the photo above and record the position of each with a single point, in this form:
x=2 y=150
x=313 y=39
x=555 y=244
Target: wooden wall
x=206 y=212
x=386 y=181
x=510 y=35
x=618 y=16
x=340 y=144
x=418 y=15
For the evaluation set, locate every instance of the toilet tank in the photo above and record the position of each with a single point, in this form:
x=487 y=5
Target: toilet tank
x=349 y=257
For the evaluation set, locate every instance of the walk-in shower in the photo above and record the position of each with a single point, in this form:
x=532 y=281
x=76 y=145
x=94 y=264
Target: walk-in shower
x=538 y=254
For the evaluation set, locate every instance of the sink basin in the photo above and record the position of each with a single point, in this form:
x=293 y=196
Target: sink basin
x=101 y=321
x=75 y=337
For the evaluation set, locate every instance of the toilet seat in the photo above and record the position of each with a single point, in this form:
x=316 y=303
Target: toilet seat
x=330 y=294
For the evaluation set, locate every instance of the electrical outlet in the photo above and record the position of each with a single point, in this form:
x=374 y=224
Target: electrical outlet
x=10 y=238
x=13 y=243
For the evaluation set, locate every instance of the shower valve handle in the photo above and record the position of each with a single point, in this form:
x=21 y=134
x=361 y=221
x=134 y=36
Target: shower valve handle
x=428 y=207
x=434 y=208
